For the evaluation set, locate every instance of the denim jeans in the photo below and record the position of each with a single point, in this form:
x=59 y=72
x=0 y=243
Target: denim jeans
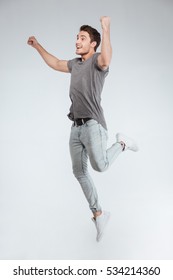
x=90 y=141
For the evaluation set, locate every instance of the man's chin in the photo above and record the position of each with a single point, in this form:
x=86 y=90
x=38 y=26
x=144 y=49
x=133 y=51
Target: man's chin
x=78 y=52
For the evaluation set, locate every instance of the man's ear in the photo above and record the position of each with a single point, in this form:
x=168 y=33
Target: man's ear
x=93 y=44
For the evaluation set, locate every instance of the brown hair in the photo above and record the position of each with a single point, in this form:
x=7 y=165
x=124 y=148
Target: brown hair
x=93 y=33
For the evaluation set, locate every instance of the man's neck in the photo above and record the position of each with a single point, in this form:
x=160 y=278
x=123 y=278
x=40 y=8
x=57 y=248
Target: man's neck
x=87 y=56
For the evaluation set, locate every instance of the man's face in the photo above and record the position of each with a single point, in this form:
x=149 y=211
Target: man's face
x=83 y=43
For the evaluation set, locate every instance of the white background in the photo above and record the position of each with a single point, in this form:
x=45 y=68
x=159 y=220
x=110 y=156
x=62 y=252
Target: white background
x=43 y=212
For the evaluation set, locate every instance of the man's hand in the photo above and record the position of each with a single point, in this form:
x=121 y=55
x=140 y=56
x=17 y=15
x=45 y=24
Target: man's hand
x=105 y=22
x=32 y=41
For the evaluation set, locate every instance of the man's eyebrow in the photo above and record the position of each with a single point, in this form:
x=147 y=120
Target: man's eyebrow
x=81 y=36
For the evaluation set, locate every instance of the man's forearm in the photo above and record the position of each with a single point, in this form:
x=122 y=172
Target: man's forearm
x=50 y=60
x=106 y=49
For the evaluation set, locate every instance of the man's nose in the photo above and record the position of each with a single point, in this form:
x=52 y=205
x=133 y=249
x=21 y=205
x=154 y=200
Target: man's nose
x=77 y=40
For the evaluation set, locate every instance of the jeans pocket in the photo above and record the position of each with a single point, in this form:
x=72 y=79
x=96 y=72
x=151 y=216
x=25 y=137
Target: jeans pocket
x=91 y=123
x=103 y=132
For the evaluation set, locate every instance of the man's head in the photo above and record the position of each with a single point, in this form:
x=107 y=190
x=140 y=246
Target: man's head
x=87 y=39
x=93 y=33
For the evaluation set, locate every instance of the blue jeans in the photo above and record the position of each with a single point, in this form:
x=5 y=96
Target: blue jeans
x=90 y=140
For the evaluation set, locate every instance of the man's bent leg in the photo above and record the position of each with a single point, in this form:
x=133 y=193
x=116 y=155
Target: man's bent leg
x=94 y=137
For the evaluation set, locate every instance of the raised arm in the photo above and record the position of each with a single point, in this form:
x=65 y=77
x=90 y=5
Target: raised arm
x=52 y=61
x=104 y=58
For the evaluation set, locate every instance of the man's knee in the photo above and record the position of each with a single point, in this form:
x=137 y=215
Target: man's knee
x=100 y=166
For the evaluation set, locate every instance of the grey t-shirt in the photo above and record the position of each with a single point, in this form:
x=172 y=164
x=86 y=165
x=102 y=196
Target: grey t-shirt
x=87 y=81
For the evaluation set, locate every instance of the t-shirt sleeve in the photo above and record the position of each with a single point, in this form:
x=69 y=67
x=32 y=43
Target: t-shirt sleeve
x=69 y=65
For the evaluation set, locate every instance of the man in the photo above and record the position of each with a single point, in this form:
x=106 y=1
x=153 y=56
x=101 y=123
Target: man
x=89 y=131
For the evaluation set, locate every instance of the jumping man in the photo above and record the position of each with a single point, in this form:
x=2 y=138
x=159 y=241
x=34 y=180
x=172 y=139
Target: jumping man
x=88 y=138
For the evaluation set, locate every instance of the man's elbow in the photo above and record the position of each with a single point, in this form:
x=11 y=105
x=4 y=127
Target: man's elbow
x=104 y=67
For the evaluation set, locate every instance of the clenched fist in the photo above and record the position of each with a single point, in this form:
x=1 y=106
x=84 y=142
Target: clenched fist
x=32 y=41
x=105 y=22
